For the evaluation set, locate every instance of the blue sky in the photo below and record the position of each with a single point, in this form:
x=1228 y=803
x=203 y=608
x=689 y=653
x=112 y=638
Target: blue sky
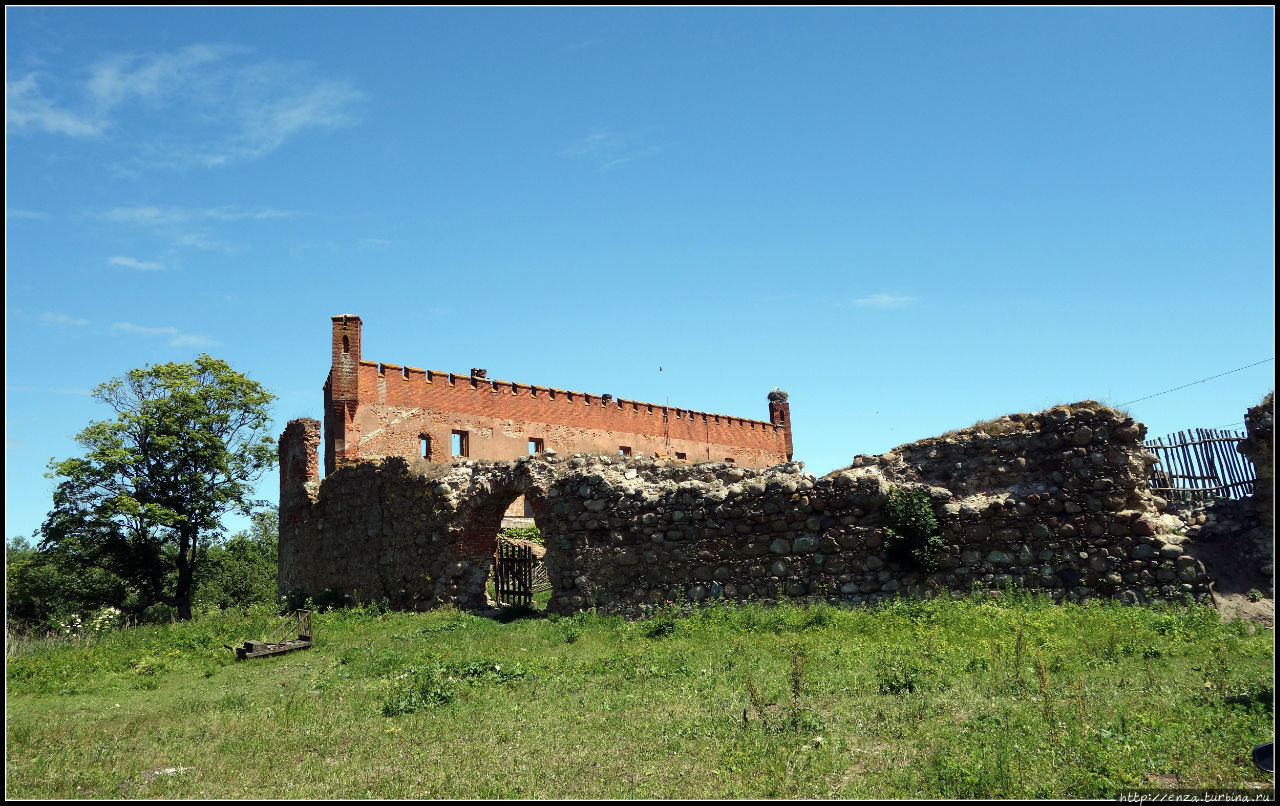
x=910 y=219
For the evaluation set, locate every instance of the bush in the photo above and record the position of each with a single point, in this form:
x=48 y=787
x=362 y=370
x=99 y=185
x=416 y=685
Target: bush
x=911 y=530
x=44 y=593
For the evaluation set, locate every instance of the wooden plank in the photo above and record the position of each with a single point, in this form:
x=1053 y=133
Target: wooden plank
x=1188 y=461
x=1247 y=472
x=1204 y=463
x=1226 y=467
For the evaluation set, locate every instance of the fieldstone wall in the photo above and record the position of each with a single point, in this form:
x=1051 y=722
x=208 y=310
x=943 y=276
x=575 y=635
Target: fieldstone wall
x=1055 y=501
x=1259 y=448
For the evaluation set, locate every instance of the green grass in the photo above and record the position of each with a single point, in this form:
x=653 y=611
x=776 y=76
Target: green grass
x=935 y=699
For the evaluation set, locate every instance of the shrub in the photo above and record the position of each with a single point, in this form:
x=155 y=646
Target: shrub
x=897 y=672
x=911 y=530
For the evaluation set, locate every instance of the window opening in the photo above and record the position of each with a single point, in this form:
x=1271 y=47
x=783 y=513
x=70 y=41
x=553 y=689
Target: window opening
x=535 y=446
x=424 y=446
x=459 y=445
x=624 y=450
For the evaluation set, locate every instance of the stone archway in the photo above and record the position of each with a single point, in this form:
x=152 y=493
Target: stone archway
x=468 y=566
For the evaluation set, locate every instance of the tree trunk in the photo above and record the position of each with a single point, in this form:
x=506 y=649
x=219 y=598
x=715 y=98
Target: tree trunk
x=182 y=594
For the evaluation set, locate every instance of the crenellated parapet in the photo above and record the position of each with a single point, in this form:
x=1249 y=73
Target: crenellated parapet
x=379 y=409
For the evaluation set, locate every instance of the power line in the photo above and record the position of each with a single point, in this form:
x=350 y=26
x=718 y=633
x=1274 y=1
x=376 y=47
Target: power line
x=1202 y=380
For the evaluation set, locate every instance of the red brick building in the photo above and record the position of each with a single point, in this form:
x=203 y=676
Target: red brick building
x=375 y=410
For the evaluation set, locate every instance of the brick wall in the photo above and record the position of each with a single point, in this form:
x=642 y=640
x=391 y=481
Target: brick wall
x=378 y=410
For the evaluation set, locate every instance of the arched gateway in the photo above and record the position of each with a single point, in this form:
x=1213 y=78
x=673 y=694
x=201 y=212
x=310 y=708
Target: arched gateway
x=383 y=531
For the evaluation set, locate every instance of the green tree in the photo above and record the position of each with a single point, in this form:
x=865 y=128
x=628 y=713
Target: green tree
x=241 y=570
x=40 y=591
x=146 y=498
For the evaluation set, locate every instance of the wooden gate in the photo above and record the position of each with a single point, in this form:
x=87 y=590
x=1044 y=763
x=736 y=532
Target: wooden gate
x=1201 y=464
x=513 y=574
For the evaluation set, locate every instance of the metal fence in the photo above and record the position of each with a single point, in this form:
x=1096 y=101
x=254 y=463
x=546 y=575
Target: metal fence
x=1201 y=464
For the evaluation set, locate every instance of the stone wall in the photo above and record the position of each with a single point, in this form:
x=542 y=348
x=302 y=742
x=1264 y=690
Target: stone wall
x=1259 y=447
x=1056 y=501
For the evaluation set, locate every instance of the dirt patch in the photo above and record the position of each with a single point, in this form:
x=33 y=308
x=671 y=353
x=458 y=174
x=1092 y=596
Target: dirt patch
x=1239 y=589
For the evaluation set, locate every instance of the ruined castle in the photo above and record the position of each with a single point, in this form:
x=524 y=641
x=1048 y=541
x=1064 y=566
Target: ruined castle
x=1056 y=501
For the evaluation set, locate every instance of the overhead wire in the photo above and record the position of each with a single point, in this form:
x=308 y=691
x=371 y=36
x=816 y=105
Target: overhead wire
x=1202 y=380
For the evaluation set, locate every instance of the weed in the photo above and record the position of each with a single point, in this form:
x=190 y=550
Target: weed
x=792 y=717
x=659 y=624
x=899 y=672
x=438 y=684
x=1046 y=698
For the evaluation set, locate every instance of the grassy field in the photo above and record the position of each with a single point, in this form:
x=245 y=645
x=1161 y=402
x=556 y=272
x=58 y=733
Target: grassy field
x=935 y=699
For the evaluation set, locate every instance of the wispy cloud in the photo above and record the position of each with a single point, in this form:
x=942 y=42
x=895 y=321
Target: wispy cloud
x=191 y=340
x=188 y=226
x=162 y=216
x=13 y=212
x=130 y=327
x=134 y=263
x=203 y=105
x=63 y=319
x=176 y=337
x=26 y=108
x=884 y=301
x=374 y=243
x=609 y=149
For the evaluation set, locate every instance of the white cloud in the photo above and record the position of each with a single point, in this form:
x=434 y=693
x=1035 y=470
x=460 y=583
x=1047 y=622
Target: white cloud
x=134 y=263
x=203 y=105
x=375 y=243
x=13 y=212
x=191 y=340
x=130 y=327
x=26 y=108
x=63 y=319
x=160 y=216
x=117 y=79
x=883 y=301
x=177 y=337
x=186 y=226
x=609 y=149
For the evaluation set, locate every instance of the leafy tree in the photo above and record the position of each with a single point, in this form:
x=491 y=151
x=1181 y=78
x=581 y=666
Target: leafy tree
x=40 y=591
x=145 y=500
x=241 y=570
